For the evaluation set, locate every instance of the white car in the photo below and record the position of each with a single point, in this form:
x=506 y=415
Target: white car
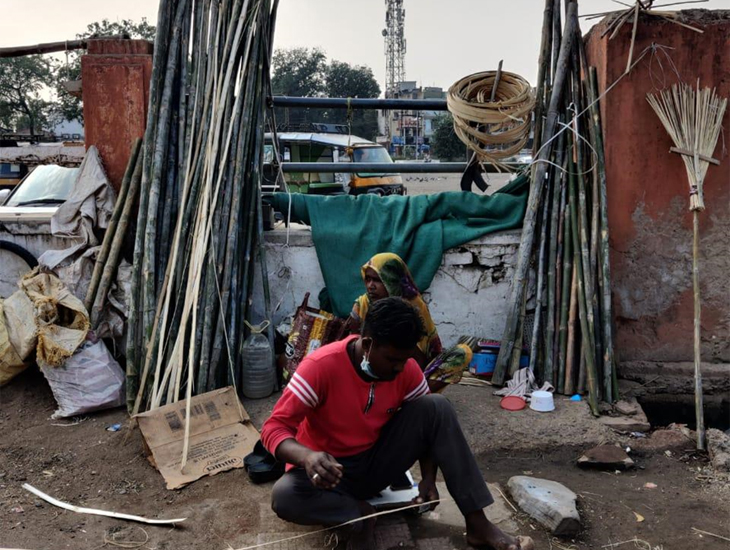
x=37 y=197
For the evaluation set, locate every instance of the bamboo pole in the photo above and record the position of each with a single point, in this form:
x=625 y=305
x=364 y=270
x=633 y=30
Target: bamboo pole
x=136 y=339
x=533 y=201
x=553 y=261
x=699 y=405
x=565 y=300
x=567 y=384
x=582 y=301
x=47 y=47
x=605 y=268
x=557 y=36
x=583 y=222
x=542 y=245
x=151 y=256
x=111 y=229
x=543 y=73
x=109 y=272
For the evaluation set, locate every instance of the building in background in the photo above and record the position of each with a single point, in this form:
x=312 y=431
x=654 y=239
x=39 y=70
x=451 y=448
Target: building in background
x=407 y=134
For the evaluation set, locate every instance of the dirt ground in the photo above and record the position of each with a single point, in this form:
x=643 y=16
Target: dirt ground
x=80 y=462
x=426 y=184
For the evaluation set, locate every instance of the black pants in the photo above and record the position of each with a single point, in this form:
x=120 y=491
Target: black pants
x=426 y=427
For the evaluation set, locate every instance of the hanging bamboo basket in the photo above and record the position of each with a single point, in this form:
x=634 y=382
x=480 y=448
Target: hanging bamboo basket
x=494 y=130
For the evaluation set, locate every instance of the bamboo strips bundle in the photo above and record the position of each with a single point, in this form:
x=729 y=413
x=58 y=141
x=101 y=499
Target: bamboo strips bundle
x=565 y=230
x=199 y=227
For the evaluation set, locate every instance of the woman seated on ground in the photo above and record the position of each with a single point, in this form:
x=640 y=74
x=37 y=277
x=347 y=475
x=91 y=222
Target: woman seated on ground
x=386 y=275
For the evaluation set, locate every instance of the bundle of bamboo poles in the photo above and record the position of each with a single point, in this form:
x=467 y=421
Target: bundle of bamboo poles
x=199 y=227
x=565 y=231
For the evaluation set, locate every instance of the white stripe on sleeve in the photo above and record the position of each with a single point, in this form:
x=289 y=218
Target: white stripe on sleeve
x=304 y=385
x=418 y=391
x=297 y=390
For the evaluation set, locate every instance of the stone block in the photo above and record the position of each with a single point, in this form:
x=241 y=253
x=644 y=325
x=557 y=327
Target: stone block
x=549 y=502
x=452 y=257
x=629 y=407
x=625 y=424
x=718 y=445
x=606 y=457
x=663 y=440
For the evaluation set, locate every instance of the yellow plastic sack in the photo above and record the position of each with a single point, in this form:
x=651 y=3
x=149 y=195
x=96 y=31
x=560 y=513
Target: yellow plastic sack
x=61 y=318
x=10 y=362
x=20 y=323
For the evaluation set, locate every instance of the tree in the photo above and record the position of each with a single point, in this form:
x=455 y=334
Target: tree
x=68 y=106
x=298 y=72
x=125 y=27
x=446 y=145
x=22 y=81
x=345 y=80
x=304 y=72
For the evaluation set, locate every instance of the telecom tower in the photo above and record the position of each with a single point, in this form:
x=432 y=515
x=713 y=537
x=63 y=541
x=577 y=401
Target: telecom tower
x=395 y=46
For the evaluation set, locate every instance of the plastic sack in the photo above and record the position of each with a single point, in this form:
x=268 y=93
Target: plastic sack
x=61 y=318
x=19 y=319
x=311 y=329
x=10 y=362
x=90 y=380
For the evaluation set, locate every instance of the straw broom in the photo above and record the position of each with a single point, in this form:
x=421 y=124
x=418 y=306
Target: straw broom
x=693 y=119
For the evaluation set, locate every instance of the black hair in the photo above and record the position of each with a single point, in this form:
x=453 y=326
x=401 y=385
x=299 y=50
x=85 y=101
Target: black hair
x=393 y=321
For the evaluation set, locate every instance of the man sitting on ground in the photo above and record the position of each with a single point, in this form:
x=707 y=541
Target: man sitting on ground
x=356 y=415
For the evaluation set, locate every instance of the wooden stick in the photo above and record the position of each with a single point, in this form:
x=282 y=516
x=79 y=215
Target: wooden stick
x=711 y=160
x=533 y=201
x=633 y=38
x=699 y=405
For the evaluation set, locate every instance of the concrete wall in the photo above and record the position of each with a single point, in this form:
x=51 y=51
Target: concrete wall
x=116 y=76
x=650 y=224
x=468 y=295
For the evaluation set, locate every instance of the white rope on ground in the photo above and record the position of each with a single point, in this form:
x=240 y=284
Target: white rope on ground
x=94 y=512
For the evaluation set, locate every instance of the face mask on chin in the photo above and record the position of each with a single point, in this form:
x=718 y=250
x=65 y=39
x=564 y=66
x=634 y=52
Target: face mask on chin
x=367 y=369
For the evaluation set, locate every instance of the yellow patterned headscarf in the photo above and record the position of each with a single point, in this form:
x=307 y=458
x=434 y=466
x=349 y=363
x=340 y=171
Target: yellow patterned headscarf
x=397 y=279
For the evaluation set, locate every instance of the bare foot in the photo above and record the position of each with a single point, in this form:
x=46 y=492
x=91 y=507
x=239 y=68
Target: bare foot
x=481 y=533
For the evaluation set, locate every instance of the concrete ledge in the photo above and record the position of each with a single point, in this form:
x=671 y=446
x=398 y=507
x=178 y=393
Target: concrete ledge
x=675 y=378
x=34 y=155
x=301 y=235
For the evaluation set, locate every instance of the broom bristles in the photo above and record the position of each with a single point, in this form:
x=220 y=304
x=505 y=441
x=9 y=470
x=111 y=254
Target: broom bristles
x=693 y=119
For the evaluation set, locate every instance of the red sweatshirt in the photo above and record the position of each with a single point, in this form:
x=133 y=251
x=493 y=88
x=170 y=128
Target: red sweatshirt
x=327 y=407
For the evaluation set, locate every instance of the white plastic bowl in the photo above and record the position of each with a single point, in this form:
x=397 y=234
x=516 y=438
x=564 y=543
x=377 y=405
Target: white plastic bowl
x=542 y=401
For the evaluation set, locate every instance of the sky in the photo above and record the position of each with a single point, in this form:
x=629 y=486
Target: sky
x=446 y=39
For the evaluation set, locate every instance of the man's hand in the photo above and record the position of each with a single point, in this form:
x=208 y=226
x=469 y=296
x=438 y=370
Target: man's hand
x=324 y=471
x=427 y=492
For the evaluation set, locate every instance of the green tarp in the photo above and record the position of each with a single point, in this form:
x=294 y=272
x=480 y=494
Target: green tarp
x=348 y=230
